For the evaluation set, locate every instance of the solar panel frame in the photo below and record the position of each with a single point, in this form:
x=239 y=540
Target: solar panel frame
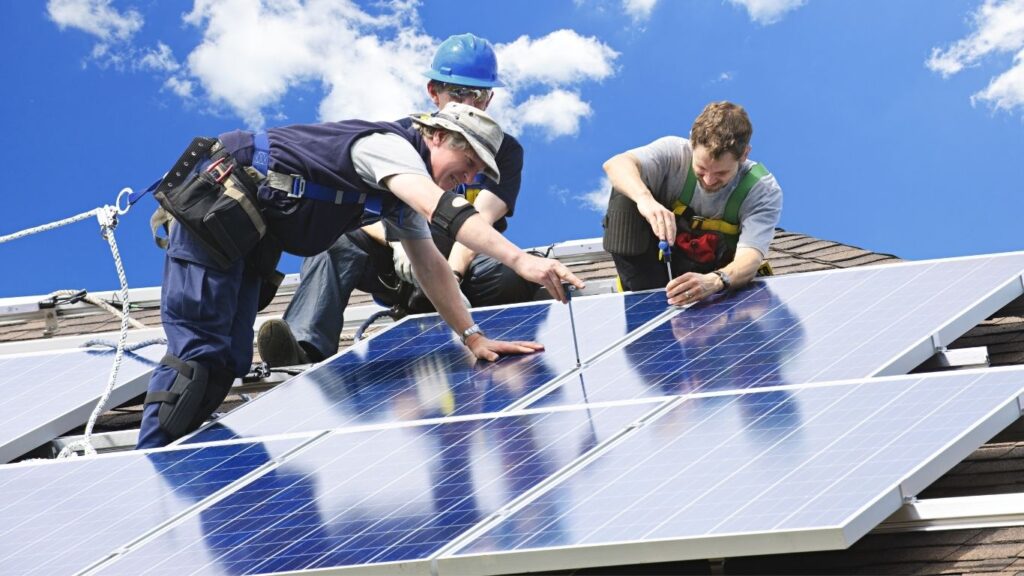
x=52 y=407
x=652 y=550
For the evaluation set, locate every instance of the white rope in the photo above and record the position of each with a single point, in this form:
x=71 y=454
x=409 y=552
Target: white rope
x=97 y=302
x=107 y=217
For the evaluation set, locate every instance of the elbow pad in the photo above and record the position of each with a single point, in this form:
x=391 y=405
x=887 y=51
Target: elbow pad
x=451 y=213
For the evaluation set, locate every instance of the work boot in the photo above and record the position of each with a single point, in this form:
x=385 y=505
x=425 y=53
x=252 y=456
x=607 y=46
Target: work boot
x=277 y=345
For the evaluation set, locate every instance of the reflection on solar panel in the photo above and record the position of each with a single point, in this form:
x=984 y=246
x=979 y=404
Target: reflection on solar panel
x=787 y=470
x=43 y=395
x=806 y=328
x=417 y=369
x=751 y=452
x=373 y=498
x=60 y=517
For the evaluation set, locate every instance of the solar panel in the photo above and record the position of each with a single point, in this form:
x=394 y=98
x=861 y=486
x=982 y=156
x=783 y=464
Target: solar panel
x=45 y=394
x=767 y=471
x=805 y=328
x=372 y=499
x=417 y=369
x=61 y=516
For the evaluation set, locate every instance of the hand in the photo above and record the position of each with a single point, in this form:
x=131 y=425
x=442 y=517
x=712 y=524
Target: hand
x=692 y=287
x=548 y=273
x=661 y=219
x=403 y=266
x=486 y=349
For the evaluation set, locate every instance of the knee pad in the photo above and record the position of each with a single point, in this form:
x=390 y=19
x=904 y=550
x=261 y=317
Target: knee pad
x=451 y=213
x=186 y=405
x=179 y=405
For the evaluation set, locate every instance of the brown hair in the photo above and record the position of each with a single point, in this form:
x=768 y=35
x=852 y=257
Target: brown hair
x=452 y=139
x=722 y=127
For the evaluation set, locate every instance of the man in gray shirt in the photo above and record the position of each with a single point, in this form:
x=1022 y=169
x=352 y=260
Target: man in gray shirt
x=700 y=202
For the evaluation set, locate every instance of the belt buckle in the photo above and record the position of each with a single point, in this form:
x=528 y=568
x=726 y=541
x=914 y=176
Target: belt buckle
x=298 y=186
x=697 y=222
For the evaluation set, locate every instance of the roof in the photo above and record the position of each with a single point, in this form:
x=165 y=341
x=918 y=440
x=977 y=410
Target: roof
x=995 y=468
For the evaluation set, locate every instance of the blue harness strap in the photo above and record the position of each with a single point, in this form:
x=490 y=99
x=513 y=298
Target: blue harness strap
x=302 y=188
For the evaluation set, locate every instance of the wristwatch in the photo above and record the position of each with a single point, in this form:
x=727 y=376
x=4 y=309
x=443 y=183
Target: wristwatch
x=726 y=282
x=474 y=329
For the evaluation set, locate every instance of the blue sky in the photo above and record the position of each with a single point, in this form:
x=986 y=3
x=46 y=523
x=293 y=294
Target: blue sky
x=895 y=126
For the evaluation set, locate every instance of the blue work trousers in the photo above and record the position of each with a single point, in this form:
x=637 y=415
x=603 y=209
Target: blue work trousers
x=316 y=313
x=207 y=315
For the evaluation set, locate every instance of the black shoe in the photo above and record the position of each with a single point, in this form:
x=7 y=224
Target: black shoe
x=277 y=345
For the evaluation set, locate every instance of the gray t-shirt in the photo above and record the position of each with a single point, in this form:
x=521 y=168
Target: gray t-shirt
x=379 y=156
x=663 y=167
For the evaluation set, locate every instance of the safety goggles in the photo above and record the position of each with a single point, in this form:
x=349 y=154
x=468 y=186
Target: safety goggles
x=464 y=93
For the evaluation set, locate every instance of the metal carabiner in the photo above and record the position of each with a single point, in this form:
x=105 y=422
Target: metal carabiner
x=125 y=193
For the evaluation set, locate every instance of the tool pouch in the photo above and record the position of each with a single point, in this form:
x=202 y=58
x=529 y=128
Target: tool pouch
x=707 y=250
x=263 y=259
x=626 y=231
x=215 y=201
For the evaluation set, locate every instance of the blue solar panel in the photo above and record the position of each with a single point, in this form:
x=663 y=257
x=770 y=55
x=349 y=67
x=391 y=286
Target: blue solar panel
x=806 y=328
x=60 y=517
x=811 y=467
x=417 y=370
x=45 y=394
x=371 y=498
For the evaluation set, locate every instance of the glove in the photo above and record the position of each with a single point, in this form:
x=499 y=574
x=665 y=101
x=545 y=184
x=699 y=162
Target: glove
x=403 y=266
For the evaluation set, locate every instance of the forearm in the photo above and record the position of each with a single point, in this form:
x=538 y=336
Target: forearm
x=460 y=258
x=744 y=266
x=438 y=282
x=376 y=231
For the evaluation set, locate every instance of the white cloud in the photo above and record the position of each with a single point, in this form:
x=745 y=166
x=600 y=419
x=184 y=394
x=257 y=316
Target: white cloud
x=639 y=10
x=597 y=199
x=999 y=29
x=95 y=17
x=767 y=12
x=557 y=113
x=254 y=52
x=329 y=42
x=160 y=59
x=99 y=19
x=561 y=58
x=549 y=69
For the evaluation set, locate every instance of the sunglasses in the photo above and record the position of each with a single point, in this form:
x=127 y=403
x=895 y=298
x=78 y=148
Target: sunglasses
x=463 y=93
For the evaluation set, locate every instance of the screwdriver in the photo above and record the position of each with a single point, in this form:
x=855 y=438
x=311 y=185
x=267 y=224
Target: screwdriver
x=665 y=253
x=569 y=289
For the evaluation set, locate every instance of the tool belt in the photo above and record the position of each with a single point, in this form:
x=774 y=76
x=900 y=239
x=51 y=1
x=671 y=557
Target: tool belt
x=214 y=198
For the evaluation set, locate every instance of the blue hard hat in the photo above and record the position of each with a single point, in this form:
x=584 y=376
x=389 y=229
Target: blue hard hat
x=466 y=60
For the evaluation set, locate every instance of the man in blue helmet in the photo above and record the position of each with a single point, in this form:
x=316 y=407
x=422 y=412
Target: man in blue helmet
x=464 y=70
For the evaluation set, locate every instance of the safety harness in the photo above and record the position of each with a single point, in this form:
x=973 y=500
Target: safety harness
x=729 y=224
x=708 y=243
x=295 y=186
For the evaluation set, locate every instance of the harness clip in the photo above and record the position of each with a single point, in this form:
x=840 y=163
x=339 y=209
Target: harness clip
x=298 y=187
x=219 y=170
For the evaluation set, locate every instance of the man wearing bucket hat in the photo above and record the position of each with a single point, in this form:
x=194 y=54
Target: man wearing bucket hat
x=464 y=70
x=240 y=199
